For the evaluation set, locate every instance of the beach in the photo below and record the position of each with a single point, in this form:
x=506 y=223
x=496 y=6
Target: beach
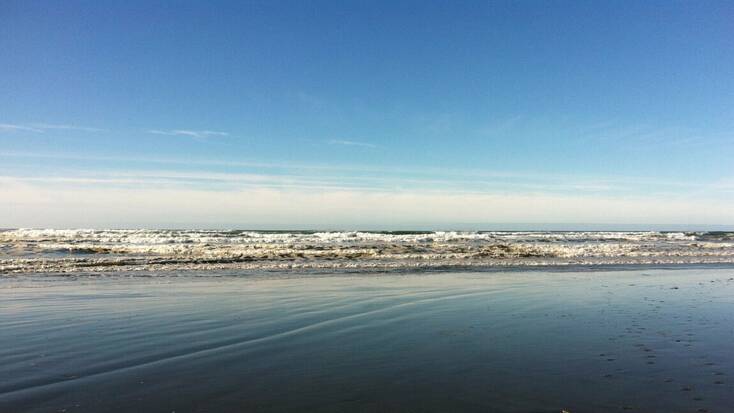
x=366 y=206
x=646 y=339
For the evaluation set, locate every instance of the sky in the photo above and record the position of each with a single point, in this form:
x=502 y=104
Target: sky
x=366 y=114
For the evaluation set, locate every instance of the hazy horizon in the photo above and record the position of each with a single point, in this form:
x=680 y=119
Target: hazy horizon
x=509 y=227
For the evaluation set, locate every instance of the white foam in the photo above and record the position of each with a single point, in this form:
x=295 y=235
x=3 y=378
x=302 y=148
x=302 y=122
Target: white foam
x=33 y=250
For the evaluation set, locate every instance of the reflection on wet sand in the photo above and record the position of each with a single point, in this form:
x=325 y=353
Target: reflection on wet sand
x=637 y=340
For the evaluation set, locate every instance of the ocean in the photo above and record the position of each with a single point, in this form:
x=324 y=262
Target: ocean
x=153 y=251
x=293 y=321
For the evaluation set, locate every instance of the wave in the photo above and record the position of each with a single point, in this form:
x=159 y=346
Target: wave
x=51 y=250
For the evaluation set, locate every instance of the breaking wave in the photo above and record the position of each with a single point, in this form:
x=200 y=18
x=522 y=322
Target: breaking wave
x=80 y=250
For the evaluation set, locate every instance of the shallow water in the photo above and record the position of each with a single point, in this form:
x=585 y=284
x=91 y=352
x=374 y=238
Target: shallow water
x=646 y=340
x=94 y=251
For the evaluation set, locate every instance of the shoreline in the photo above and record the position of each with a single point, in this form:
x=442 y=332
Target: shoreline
x=375 y=271
x=647 y=340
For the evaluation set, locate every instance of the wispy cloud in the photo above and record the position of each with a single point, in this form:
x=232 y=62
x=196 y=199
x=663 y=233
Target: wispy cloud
x=46 y=126
x=351 y=143
x=400 y=177
x=386 y=183
x=198 y=134
x=42 y=127
x=18 y=128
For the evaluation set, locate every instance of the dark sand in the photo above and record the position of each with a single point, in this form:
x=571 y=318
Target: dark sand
x=640 y=341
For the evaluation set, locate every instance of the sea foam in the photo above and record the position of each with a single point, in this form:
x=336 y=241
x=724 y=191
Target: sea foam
x=87 y=250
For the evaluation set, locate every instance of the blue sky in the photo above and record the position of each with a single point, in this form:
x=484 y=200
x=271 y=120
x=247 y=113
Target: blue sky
x=349 y=114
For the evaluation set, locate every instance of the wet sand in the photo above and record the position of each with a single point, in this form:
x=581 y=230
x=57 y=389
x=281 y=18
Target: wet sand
x=644 y=340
